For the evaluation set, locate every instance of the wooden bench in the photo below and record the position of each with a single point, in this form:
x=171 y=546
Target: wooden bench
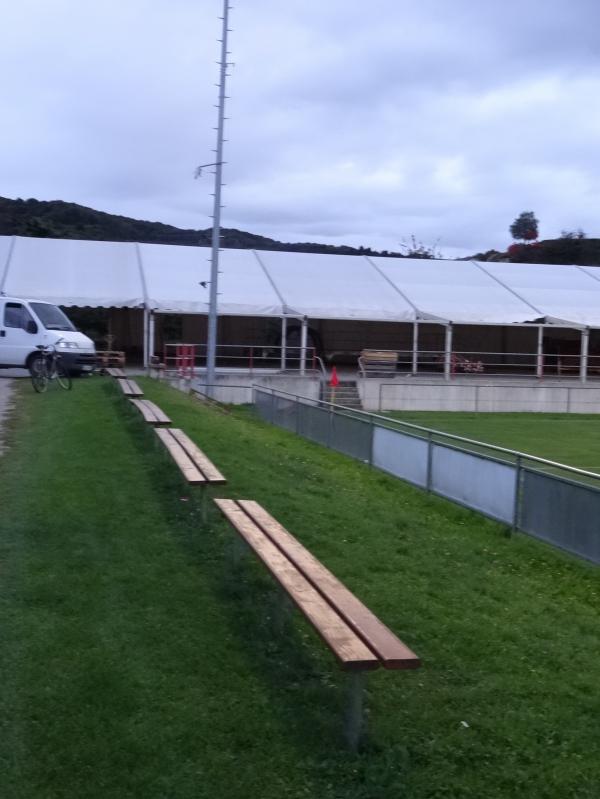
x=118 y=373
x=107 y=358
x=193 y=464
x=358 y=639
x=151 y=412
x=374 y=362
x=129 y=387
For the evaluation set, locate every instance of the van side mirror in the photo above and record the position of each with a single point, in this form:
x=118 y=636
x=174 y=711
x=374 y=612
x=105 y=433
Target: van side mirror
x=31 y=327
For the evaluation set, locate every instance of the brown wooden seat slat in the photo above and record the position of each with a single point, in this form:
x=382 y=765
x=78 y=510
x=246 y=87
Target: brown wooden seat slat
x=115 y=372
x=193 y=463
x=151 y=412
x=187 y=467
x=391 y=651
x=208 y=469
x=377 y=361
x=350 y=650
x=110 y=358
x=129 y=387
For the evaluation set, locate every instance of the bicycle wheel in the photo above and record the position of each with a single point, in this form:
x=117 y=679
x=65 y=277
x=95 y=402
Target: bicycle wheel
x=63 y=377
x=39 y=374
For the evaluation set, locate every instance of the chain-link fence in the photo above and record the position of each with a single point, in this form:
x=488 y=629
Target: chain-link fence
x=556 y=503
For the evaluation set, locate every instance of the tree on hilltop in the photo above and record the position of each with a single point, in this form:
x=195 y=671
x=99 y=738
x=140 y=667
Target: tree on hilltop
x=525 y=227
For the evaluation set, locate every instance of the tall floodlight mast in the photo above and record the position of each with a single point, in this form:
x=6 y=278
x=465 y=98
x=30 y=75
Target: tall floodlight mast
x=211 y=344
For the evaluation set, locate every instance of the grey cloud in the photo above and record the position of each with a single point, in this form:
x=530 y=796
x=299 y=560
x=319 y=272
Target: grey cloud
x=347 y=124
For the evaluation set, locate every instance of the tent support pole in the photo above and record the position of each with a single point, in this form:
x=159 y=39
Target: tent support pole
x=303 y=338
x=539 y=370
x=151 y=336
x=415 y=348
x=448 y=351
x=585 y=347
x=146 y=359
x=283 y=342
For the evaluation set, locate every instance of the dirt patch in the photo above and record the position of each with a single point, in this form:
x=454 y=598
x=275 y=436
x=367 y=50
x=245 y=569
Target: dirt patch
x=6 y=405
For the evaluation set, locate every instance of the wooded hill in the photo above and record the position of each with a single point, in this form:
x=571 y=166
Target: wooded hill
x=568 y=249
x=60 y=220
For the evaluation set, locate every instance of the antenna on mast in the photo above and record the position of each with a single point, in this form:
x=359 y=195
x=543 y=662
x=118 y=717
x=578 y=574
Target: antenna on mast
x=211 y=343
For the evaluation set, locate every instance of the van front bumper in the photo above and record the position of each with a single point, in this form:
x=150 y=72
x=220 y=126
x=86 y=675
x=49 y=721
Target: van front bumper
x=78 y=361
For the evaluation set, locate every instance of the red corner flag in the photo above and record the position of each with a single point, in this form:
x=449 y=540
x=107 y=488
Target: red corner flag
x=334 y=378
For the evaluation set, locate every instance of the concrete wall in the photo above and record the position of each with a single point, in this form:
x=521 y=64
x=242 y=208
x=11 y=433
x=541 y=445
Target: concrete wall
x=415 y=394
x=469 y=394
x=236 y=389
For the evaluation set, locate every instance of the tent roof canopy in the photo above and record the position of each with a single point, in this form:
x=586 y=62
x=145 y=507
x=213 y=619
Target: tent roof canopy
x=175 y=279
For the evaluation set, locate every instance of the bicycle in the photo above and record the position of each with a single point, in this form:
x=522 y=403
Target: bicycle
x=46 y=366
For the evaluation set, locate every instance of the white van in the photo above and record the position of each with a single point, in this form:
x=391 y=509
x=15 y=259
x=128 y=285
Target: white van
x=25 y=324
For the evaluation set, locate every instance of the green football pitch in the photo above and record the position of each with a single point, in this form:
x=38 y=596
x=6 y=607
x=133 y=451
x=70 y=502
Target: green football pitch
x=573 y=439
x=140 y=662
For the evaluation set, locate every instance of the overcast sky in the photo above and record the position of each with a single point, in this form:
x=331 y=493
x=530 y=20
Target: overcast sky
x=352 y=122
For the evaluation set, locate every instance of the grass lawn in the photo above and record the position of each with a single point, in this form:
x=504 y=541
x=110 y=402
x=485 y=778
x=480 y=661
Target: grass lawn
x=137 y=663
x=570 y=438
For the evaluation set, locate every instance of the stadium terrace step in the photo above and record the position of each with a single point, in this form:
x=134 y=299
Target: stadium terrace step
x=346 y=394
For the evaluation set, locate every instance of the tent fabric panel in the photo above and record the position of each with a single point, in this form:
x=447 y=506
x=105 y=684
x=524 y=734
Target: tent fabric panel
x=324 y=286
x=5 y=245
x=320 y=286
x=457 y=291
x=75 y=272
x=174 y=277
x=560 y=292
x=592 y=271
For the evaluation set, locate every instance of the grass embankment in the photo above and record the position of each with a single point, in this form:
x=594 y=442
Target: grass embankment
x=570 y=438
x=136 y=663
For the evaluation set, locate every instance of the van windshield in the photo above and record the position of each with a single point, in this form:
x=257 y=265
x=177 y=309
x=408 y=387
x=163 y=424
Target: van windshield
x=51 y=316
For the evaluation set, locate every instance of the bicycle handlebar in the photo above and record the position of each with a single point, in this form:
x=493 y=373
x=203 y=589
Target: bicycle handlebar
x=49 y=348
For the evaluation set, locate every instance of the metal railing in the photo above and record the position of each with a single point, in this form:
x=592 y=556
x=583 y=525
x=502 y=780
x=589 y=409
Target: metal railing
x=554 y=502
x=252 y=358
x=185 y=359
x=483 y=363
x=489 y=364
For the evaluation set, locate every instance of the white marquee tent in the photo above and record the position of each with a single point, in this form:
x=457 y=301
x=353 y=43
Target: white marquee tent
x=167 y=279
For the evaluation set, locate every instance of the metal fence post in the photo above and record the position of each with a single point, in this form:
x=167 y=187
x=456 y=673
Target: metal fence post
x=515 y=524
x=429 y=459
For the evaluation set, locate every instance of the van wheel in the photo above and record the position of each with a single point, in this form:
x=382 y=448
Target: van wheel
x=30 y=362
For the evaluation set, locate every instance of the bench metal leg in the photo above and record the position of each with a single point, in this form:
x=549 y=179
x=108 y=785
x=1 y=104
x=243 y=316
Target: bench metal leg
x=283 y=610
x=204 y=505
x=239 y=548
x=354 y=726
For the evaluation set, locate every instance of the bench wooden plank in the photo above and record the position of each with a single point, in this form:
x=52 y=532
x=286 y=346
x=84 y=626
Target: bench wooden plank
x=394 y=654
x=378 y=361
x=208 y=469
x=114 y=372
x=129 y=387
x=350 y=650
x=151 y=412
x=110 y=358
x=187 y=468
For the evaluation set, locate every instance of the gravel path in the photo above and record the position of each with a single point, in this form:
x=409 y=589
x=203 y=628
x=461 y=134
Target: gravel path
x=6 y=396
